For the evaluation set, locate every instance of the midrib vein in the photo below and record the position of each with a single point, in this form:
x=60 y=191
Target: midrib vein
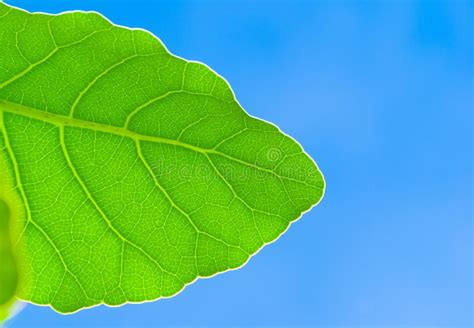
x=64 y=121
x=60 y=120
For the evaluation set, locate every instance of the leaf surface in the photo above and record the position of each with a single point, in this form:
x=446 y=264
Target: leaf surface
x=134 y=172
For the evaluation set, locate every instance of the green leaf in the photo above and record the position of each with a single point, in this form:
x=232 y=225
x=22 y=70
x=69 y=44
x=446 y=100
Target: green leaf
x=134 y=172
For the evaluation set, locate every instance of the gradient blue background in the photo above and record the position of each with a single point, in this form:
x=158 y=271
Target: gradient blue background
x=381 y=95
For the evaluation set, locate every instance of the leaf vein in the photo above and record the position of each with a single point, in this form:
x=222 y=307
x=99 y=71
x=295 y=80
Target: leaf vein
x=27 y=207
x=101 y=211
x=176 y=206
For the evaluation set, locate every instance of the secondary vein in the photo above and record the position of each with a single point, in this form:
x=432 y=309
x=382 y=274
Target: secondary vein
x=27 y=207
x=100 y=210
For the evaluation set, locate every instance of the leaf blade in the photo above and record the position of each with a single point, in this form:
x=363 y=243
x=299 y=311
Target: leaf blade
x=162 y=171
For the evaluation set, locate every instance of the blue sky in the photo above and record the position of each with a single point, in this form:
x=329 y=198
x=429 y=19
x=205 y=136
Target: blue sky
x=381 y=95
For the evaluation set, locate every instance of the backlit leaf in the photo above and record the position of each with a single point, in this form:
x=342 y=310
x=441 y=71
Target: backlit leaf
x=134 y=172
